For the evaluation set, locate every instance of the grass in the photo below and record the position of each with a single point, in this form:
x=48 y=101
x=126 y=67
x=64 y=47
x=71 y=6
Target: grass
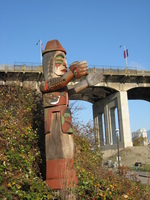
x=143 y=168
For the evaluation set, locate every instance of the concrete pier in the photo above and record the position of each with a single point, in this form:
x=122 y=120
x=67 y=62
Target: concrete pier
x=114 y=107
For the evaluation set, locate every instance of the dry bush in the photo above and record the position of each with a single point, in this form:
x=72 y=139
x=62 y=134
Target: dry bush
x=22 y=160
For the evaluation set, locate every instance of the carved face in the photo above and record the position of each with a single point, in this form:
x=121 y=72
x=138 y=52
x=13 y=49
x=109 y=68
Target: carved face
x=59 y=63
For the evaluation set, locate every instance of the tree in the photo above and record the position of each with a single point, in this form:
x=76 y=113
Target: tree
x=139 y=141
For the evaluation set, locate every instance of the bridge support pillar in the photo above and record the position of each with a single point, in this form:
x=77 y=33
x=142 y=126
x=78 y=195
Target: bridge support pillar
x=108 y=114
x=99 y=137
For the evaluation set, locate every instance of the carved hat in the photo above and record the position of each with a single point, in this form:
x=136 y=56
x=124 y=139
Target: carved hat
x=53 y=45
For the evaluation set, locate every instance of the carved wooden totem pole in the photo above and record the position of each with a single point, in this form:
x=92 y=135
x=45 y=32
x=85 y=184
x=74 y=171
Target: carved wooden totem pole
x=57 y=117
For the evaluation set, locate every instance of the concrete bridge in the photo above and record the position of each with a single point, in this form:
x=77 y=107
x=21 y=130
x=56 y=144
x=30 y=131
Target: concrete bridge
x=109 y=98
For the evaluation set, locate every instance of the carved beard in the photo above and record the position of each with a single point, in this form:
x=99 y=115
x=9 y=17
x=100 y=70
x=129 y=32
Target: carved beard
x=48 y=67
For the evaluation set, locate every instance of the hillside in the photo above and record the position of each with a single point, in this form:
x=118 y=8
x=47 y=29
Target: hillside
x=22 y=160
x=129 y=155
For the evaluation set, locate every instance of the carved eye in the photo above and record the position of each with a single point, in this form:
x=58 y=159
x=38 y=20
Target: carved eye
x=67 y=115
x=75 y=72
x=59 y=59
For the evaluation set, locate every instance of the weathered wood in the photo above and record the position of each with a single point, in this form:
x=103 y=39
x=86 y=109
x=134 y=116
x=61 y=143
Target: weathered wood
x=94 y=78
x=59 y=145
x=80 y=86
x=57 y=116
x=91 y=80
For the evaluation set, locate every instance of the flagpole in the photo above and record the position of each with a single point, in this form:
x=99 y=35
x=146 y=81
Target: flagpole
x=41 y=48
x=125 y=50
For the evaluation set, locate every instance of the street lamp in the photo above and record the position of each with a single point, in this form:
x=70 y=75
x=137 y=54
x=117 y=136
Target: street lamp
x=125 y=54
x=117 y=135
x=41 y=49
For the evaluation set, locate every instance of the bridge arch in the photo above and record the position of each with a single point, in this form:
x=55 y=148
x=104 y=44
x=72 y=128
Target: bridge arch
x=140 y=93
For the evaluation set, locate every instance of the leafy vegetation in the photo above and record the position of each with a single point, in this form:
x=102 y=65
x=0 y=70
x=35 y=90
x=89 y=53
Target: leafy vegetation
x=21 y=157
x=22 y=160
x=96 y=182
x=139 y=141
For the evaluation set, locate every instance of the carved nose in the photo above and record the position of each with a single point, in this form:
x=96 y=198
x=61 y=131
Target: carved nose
x=65 y=64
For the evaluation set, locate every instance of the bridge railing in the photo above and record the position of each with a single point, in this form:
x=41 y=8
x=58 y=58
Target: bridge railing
x=31 y=67
x=36 y=67
x=119 y=71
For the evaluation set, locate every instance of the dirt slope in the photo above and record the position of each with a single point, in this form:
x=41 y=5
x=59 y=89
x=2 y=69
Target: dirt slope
x=129 y=155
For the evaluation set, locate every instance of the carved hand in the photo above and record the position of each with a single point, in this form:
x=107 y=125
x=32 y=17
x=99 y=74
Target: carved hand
x=79 y=69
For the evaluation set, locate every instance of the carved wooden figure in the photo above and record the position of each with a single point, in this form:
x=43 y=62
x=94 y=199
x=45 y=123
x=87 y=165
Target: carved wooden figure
x=57 y=116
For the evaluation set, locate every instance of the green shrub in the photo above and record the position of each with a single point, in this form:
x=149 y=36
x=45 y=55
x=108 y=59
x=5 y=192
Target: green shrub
x=22 y=155
x=139 y=141
x=97 y=182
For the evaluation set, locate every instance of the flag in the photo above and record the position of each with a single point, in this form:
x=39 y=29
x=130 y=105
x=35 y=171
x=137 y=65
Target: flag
x=126 y=53
x=37 y=42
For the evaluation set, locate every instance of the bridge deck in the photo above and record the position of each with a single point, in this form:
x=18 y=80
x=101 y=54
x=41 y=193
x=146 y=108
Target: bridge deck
x=105 y=71
x=112 y=76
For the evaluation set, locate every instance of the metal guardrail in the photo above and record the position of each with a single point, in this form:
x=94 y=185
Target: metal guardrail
x=110 y=71
x=21 y=67
x=106 y=70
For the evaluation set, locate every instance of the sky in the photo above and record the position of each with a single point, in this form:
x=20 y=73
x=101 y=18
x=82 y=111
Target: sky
x=90 y=30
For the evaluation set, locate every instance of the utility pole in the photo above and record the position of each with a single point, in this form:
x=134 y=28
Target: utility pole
x=117 y=135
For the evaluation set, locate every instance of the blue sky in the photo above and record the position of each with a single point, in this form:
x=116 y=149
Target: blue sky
x=89 y=30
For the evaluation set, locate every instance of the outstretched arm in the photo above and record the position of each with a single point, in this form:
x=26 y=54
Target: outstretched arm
x=90 y=80
x=77 y=70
